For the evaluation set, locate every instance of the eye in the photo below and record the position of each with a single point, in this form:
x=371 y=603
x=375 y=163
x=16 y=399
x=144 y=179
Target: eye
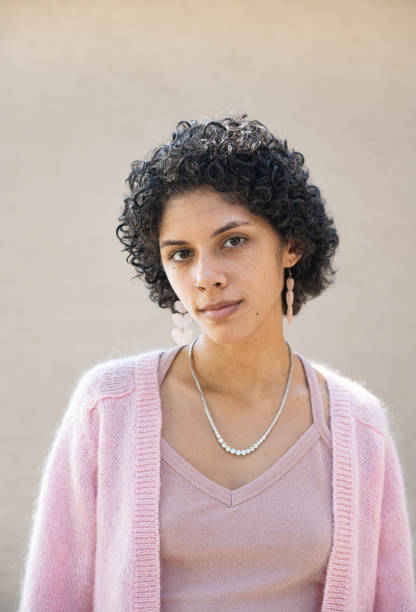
x=175 y=252
x=171 y=256
x=235 y=237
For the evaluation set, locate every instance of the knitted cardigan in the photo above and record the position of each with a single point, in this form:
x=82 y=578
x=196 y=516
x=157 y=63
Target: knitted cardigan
x=95 y=543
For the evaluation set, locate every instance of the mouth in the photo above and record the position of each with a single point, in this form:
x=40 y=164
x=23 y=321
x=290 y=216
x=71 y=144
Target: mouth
x=221 y=313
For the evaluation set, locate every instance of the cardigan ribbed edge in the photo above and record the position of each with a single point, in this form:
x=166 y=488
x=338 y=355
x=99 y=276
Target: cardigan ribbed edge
x=336 y=594
x=148 y=426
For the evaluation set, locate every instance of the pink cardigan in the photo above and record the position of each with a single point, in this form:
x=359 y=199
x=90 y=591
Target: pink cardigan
x=95 y=540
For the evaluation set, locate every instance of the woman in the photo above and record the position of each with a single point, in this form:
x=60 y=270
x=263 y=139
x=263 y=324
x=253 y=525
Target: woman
x=228 y=472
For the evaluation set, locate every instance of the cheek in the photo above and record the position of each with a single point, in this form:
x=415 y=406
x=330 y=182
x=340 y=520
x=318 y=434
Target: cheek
x=178 y=281
x=264 y=283
x=264 y=274
x=171 y=270
x=171 y=276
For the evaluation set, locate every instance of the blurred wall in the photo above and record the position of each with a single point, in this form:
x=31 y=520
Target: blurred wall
x=90 y=86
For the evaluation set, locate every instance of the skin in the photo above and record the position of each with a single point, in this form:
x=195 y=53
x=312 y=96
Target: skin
x=243 y=357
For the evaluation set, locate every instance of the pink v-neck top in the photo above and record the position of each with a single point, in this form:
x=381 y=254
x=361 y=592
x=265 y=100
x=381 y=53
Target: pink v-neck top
x=262 y=546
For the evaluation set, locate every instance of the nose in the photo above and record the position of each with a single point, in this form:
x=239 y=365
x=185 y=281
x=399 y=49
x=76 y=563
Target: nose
x=208 y=275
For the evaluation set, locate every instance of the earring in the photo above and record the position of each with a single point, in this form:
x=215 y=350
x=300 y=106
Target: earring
x=290 y=282
x=182 y=333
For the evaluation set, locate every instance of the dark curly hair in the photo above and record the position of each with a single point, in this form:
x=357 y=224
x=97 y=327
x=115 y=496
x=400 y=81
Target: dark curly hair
x=241 y=159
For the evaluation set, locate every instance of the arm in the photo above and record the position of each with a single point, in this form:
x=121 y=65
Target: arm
x=395 y=587
x=60 y=557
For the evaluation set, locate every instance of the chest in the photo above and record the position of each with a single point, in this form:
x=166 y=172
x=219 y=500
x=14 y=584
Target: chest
x=186 y=428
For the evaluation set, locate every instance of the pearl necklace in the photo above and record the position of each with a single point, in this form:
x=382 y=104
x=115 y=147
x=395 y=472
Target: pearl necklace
x=225 y=446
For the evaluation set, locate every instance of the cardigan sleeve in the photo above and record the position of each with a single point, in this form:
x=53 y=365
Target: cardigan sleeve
x=395 y=586
x=60 y=555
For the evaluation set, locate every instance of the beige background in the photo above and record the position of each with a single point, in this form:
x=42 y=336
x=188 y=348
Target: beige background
x=90 y=86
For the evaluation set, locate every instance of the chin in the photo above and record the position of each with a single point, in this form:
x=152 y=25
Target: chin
x=226 y=335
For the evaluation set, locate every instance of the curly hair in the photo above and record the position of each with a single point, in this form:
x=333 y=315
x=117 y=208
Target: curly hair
x=241 y=159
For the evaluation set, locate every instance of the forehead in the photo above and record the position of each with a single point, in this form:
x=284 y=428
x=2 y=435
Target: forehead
x=204 y=205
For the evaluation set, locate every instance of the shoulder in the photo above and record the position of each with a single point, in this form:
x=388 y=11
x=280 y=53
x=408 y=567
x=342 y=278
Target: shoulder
x=116 y=377
x=364 y=405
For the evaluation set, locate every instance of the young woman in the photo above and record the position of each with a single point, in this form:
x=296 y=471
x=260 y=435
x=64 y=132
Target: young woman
x=228 y=472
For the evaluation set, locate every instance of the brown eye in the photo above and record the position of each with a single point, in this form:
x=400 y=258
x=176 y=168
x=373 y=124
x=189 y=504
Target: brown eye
x=179 y=251
x=235 y=237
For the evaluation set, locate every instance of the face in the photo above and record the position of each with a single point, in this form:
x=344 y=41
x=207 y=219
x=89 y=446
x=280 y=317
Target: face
x=213 y=250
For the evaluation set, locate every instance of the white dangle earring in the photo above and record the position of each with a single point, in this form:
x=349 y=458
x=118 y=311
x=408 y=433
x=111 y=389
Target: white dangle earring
x=182 y=333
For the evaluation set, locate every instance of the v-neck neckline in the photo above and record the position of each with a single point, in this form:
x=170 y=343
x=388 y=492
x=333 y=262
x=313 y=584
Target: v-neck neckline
x=233 y=497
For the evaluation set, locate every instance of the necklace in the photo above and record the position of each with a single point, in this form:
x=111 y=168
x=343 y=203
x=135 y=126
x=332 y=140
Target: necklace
x=225 y=446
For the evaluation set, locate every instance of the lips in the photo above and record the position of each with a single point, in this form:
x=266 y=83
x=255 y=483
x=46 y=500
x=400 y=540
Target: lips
x=219 y=305
x=215 y=314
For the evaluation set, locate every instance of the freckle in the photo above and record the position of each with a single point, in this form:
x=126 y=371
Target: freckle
x=257 y=313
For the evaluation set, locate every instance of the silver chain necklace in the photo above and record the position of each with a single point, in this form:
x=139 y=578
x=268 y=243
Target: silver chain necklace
x=225 y=446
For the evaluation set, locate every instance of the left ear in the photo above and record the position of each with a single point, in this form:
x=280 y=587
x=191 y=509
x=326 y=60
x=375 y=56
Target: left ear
x=291 y=253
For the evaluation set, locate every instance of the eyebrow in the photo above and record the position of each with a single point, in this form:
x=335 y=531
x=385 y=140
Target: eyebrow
x=220 y=230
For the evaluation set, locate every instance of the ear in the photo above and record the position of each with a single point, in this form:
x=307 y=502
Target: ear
x=291 y=252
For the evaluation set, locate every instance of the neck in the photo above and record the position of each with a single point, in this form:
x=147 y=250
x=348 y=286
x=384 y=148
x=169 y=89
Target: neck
x=248 y=370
